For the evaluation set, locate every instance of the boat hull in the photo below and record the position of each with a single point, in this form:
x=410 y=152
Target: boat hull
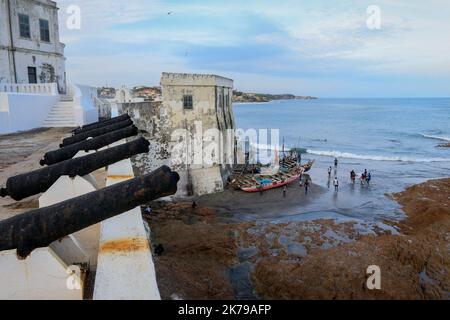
x=272 y=185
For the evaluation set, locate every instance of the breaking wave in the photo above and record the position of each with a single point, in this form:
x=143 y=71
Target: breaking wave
x=347 y=155
x=441 y=138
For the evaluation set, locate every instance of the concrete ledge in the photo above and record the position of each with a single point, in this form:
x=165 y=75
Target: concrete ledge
x=125 y=269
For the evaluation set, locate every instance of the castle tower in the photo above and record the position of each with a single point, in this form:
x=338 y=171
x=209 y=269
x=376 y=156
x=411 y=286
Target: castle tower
x=197 y=116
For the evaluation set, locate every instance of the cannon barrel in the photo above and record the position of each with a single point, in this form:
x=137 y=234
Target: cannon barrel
x=41 y=227
x=96 y=132
x=29 y=184
x=96 y=143
x=100 y=124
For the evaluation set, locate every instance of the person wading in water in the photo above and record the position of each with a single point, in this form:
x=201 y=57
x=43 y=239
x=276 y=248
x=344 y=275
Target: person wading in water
x=336 y=184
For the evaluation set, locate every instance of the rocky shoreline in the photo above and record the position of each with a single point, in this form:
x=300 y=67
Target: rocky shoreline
x=243 y=97
x=207 y=257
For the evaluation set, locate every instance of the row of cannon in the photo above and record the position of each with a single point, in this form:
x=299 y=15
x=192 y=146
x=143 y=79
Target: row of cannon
x=39 y=228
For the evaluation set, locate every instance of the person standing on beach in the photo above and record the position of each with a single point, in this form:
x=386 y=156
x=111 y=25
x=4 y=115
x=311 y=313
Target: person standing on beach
x=306 y=186
x=336 y=162
x=329 y=172
x=336 y=184
x=284 y=191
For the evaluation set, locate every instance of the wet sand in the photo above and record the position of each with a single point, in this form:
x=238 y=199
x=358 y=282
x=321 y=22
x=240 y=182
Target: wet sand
x=235 y=205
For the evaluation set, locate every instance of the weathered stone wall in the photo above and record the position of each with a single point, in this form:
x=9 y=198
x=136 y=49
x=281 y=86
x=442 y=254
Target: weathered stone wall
x=212 y=107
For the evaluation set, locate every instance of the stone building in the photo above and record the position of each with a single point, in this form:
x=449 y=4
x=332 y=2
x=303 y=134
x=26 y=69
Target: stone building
x=195 y=113
x=201 y=106
x=30 y=51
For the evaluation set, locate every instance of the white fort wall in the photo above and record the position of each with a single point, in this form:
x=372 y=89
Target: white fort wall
x=24 y=111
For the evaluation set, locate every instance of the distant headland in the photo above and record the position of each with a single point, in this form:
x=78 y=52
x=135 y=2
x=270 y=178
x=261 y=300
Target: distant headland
x=239 y=96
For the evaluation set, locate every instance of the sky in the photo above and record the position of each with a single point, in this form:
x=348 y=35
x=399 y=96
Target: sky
x=337 y=48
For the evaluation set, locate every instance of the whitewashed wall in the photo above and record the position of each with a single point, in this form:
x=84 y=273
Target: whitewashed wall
x=21 y=111
x=84 y=105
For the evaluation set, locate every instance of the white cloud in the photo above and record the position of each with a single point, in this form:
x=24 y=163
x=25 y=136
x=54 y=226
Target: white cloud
x=325 y=35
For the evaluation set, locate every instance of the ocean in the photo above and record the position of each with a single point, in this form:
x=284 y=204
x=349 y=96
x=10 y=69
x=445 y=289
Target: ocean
x=394 y=139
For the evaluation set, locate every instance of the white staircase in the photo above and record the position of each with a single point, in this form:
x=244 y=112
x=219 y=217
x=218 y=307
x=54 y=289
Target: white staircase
x=62 y=114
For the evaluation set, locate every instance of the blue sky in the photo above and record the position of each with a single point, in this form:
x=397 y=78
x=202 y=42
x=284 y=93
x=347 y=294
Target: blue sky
x=321 y=48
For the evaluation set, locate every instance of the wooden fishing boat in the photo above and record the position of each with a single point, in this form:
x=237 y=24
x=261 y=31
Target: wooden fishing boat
x=271 y=182
x=256 y=183
x=289 y=172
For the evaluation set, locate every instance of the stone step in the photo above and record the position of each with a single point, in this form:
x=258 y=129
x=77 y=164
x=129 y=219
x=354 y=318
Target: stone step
x=60 y=116
x=66 y=106
x=60 y=125
x=61 y=112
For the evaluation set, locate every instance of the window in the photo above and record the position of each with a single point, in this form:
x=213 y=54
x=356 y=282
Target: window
x=45 y=30
x=187 y=102
x=32 y=76
x=24 y=25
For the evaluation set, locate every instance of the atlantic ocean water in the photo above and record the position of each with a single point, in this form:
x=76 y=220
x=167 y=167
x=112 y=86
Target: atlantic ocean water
x=394 y=139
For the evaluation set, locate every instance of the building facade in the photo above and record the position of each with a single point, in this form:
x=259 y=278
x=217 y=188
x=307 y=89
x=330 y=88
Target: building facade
x=190 y=130
x=30 y=50
x=197 y=113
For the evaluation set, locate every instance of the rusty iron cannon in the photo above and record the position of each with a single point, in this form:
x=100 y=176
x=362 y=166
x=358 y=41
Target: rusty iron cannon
x=96 y=143
x=96 y=132
x=41 y=227
x=32 y=183
x=100 y=124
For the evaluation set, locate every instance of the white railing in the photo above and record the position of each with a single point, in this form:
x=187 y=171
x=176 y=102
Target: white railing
x=39 y=88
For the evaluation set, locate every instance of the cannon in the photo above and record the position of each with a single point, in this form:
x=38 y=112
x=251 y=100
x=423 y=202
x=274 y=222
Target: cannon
x=95 y=133
x=99 y=142
x=100 y=124
x=41 y=227
x=32 y=183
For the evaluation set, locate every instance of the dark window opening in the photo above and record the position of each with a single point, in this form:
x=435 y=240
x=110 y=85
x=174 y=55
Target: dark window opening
x=187 y=102
x=32 y=75
x=24 y=25
x=45 y=30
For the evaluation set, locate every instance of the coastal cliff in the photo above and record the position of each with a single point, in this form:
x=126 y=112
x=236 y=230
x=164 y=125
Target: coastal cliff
x=239 y=96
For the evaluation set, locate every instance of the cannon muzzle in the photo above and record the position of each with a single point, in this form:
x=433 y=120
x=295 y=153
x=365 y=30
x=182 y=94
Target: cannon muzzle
x=35 y=182
x=100 y=124
x=96 y=132
x=99 y=142
x=41 y=227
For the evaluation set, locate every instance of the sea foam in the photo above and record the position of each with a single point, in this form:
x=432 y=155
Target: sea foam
x=442 y=138
x=338 y=154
